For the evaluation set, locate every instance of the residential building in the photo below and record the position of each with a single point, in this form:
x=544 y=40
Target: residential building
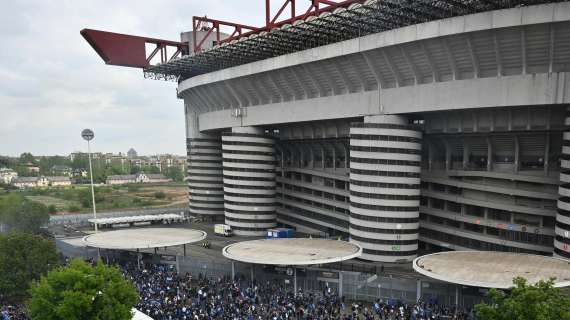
x=61 y=170
x=80 y=173
x=137 y=178
x=42 y=181
x=7 y=175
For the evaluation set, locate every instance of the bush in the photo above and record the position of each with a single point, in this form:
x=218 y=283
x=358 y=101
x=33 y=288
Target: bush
x=159 y=195
x=52 y=209
x=73 y=208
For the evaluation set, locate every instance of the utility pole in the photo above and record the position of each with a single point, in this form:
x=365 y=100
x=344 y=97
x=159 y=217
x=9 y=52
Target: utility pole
x=88 y=135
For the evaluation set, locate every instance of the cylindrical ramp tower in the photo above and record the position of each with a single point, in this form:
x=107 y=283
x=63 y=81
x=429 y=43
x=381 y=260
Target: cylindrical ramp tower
x=562 y=228
x=249 y=180
x=205 y=186
x=204 y=175
x=385 y=156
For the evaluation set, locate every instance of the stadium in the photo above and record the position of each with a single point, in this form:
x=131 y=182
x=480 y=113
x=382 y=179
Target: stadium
x=405 y=126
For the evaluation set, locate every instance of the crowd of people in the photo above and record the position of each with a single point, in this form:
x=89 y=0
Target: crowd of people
x=165 y=295
x=12 y=312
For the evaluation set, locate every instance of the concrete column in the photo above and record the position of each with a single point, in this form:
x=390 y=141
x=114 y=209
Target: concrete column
x=249 y=181
x=517 y=154
x=334 y=157
x=456 y=295
x=252 y=266
x=295 y=279
x=489 y=154
x=430 y=157
x=447 y=155
x=418 y=290
x=384 y=187
x=340 y=279
x=465 y=154
x=233 y=270
x=546 y=159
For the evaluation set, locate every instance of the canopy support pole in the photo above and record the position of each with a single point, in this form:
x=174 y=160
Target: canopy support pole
x=295 y=279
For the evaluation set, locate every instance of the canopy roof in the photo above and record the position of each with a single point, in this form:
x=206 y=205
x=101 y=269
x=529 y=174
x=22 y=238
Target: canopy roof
x=292 y=251
x=489 y=269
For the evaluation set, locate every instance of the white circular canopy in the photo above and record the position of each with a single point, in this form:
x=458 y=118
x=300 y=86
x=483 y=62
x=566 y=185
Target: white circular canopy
x=130 y=239
x=292 y=251
x=489 y=269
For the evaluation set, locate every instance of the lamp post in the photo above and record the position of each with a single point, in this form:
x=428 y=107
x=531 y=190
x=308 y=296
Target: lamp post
x=88 y=135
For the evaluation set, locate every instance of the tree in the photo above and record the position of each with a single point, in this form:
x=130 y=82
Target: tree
x=526 y=302
x=26 y=158
x=160 y=195
x=23 y=258
x=20 y=214
x=83 y=292
x=175 y=174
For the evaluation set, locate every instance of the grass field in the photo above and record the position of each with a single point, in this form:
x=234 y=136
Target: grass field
x=77 y=198
x=60 y=204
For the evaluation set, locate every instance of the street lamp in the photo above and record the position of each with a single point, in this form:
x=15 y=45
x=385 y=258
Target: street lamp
x=88 y=135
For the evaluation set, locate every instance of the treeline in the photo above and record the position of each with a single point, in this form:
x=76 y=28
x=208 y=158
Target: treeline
x=101 y=170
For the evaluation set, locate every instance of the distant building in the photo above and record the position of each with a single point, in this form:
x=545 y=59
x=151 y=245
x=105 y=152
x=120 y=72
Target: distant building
x=35 y=182
x=7 y=175
x=132 y=153
x=137 y=178
x=157 y=178
x=60 y=170
x=78 y=154
x=122 y=179
x=32 y=168
x=80 y=173
x=59 y=181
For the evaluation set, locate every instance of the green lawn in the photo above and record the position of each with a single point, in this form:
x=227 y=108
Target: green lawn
x=60 y=204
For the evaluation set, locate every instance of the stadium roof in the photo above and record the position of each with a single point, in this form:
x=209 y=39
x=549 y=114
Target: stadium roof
x=488 y=269
x=292 y=251
x=358 y=19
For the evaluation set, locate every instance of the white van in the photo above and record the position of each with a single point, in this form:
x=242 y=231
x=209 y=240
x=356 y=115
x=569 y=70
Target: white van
x=223 y=230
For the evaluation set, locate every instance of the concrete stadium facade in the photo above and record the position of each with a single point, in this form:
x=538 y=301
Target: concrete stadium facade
x=446 y=135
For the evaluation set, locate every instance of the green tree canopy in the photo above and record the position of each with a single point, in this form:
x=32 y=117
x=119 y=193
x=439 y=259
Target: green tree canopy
x=83 y=292
x=526 y=302
x=27 y=157
x=175 y=173
x=23 y=258
x=20 y=214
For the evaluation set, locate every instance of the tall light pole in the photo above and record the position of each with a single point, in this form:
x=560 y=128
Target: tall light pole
x=88 y=135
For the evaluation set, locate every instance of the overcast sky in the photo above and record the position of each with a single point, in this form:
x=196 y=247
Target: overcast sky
x=52 y=83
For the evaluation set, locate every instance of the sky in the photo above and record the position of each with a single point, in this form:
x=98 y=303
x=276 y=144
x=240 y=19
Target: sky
x=53 y=85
